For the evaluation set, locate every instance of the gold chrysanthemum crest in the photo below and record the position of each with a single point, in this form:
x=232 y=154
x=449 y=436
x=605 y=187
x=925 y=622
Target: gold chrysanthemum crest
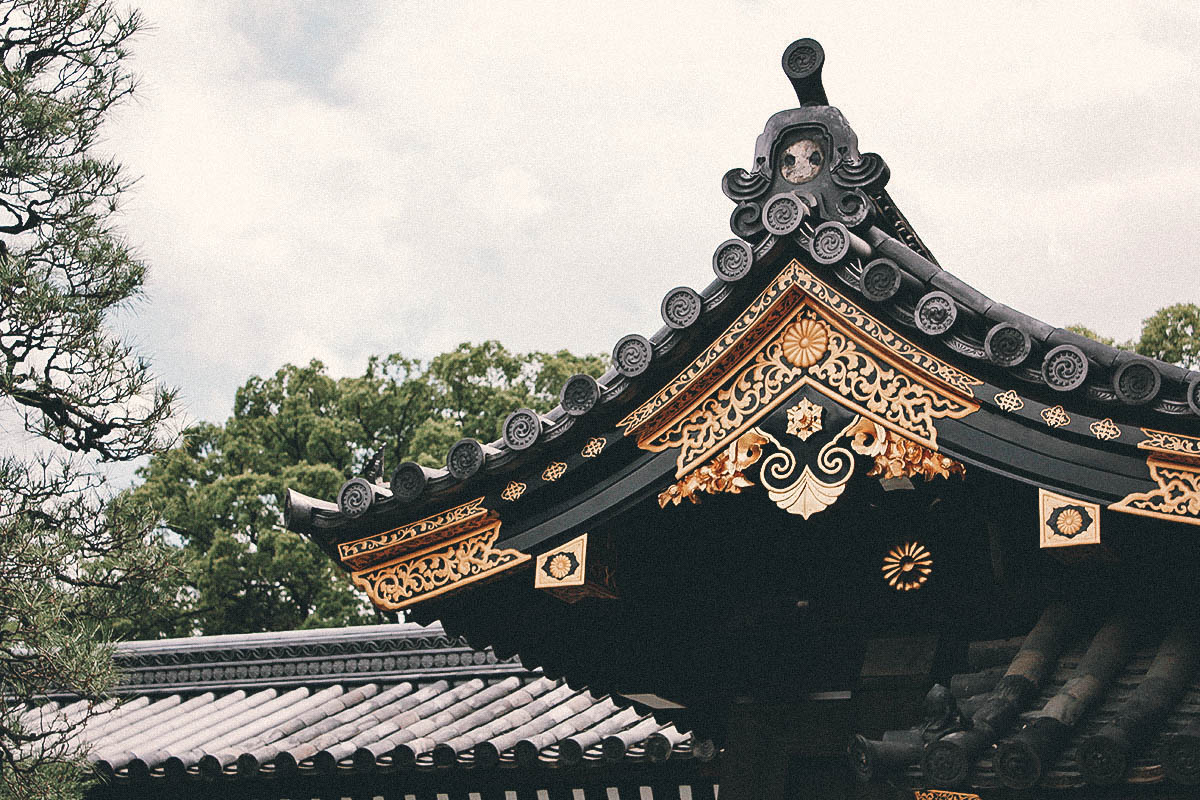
x=907 y=567
x=559 y=566
x=805 y=342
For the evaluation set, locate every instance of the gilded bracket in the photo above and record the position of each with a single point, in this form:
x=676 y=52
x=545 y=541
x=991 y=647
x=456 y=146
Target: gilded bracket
x=438 y=569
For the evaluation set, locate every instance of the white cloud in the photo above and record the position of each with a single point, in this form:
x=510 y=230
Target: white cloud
x=403 y=177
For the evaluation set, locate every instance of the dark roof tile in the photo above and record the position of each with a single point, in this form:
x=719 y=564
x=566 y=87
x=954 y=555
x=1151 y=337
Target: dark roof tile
x=522 y=718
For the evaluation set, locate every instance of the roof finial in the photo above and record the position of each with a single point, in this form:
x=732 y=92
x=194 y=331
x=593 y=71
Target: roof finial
x=802 y=61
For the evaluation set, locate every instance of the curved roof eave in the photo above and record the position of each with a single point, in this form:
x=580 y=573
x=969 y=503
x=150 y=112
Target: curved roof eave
x=882 y=265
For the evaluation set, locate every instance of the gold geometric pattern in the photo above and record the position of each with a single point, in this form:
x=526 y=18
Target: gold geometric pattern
x=513 y=491
x=1055 y=416
x=361 y=553
x=907 y=567
x=594 y=447
x=1176 y=498
x=1009 y=400
x=554 y=471
x=1105 y=429
x=439 y=569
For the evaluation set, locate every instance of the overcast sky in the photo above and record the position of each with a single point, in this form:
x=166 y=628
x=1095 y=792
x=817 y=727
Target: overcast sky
x=340 y=179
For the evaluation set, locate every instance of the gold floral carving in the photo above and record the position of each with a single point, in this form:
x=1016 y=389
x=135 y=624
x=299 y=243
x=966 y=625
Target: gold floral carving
x=594 y=447
x=942 y=794
x=1070 y=522
x=554 y=471
x=513 y=491
x=1105 y=429
x=1055 y=416
x=1172 y=444
x=897 y=457
x=847 y=373
x=575 y=570
x=438 y=569
x=363 y=552
x=804 y=419
x=771 y=310
x=1176 y=498
x=724 y=474
x=1009 y=400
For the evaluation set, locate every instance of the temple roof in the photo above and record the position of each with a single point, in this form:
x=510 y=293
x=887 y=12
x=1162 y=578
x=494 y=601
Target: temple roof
x=831 y=363
x=845 y=229
x=1116 y=702
x=401 y=701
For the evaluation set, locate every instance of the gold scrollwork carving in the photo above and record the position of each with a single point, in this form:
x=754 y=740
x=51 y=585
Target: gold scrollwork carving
x=846 y=372
x=363 y=552
x=773 y=307
x=594 y=447
x=1174 y=444
x=439 y=569
x=801 y=489
x=513 y=491
x=1176 y=498
x=808 y=494
x=942 y=794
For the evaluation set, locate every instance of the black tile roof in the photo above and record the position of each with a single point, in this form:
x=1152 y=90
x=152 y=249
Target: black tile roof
x=1119 y=703
x=353 y=701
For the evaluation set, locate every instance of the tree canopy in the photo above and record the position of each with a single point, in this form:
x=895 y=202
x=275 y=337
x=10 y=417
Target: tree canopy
x=72 y=392
x=220 y=493
x=1171 y=334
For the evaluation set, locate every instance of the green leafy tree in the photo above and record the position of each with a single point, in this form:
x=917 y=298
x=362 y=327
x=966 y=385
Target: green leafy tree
x=1084 y=330
x=220 y=493
x=1171 y=334
x=72 y=392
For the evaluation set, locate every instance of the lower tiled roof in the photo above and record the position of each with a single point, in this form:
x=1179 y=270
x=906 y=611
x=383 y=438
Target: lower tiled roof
x=350 y=723
x=1133 y=694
